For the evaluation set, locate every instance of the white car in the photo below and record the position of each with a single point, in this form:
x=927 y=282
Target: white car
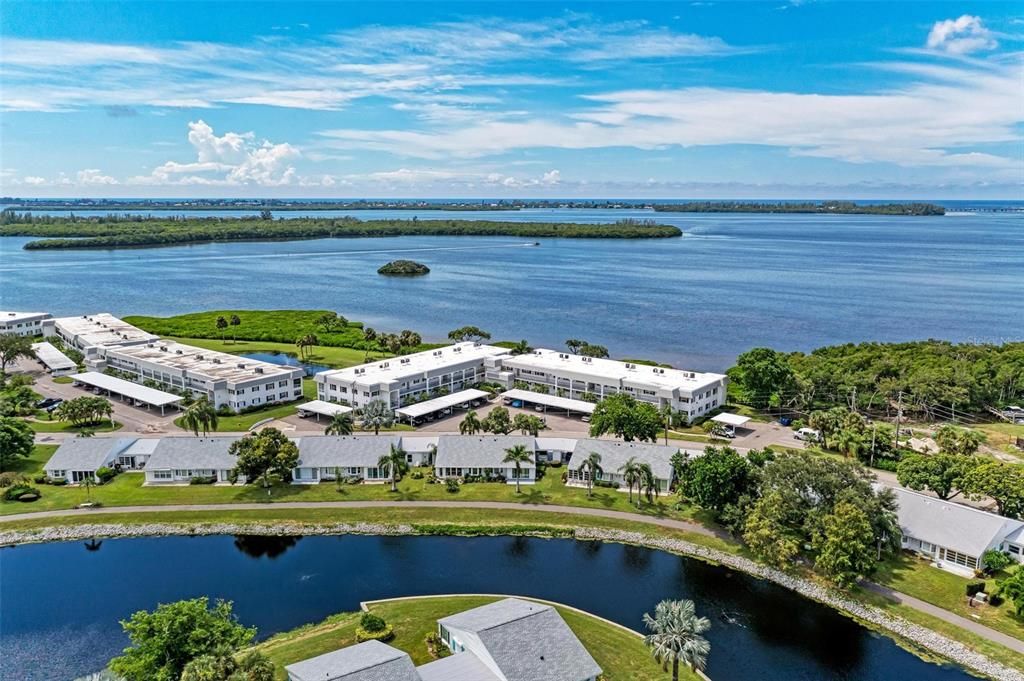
x=807 y=434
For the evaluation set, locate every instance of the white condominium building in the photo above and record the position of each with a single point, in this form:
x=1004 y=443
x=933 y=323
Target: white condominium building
x=22 y=323
x=395 y=381
x=225 y=379
x=574 y=376
x=93 y=333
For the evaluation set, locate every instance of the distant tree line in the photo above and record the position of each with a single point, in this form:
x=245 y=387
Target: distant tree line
x=828 y=207
x=116 y=232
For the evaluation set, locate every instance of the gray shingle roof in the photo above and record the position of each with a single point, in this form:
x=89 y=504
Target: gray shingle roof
x=350 y=450
x=192 y=453
x=954 y=526
x=87 y=454
x=478 y=451
x=527 y=641
x=459 y=667
x=614 y=454
x=369 y=661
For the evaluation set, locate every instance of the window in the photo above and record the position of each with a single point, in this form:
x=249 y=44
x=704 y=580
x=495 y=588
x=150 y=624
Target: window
x=161 y=475
x=1013 y=549
x=960 y=559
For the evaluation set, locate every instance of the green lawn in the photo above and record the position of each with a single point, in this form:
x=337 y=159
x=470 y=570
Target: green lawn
x=63 y=379
x=66 y=427
x=242 y=422
x=621 y=655
x=916 y=577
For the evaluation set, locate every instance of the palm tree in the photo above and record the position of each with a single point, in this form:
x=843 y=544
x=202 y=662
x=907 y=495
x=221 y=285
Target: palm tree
x=592 y=466
x=393 y=462
x=667 y=413
x=341 y=424
x=471 y=424
x=850 y=442
x=377 y=414
x=234 y=321
x=517 y=456
x=648 y=483
x=200 y=415
x=630 y=475
x=221 y=325
x=676 y=636
x=301 y=344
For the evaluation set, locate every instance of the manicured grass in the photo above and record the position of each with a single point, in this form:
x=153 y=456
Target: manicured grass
x=127 y=490
x=66 y=427
x=338 y=358
x=63 y=380
x=916 y=577
x=621 y=655
x=242 y=422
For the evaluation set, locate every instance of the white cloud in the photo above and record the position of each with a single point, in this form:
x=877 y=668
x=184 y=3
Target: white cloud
x=93 y=176
x=551 y=177
x=229 y=159
x=962 y=35
x=33 y=180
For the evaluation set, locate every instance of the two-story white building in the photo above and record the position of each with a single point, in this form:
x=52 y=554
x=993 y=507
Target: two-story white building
x=92 y=334
x=22 y=323
x=396 y=381
x=576 y=376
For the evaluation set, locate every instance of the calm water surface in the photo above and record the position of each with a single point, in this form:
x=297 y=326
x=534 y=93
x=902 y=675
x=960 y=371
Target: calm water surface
x=730 y=283
x=62 y=601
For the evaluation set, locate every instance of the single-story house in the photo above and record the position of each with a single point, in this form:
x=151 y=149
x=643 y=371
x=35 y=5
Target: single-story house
x=327 y=457
x=179 y=459
x=953 y=535
x=419 y=450
x=516 y=640
x=555 y=449
x=614 y=455
x=79 y=458
x=367 y=661
x=138 y=453
x=508 y=640
x=462 y=455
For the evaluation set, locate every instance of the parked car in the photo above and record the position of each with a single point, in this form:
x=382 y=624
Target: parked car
x=785 y=421
x=585 y=419
x=48 y=403
x=516 y=403
x=807 y=434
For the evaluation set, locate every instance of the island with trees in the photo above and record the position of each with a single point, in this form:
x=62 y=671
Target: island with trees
x=403 y=268
x=112 y=231
x=821 y=208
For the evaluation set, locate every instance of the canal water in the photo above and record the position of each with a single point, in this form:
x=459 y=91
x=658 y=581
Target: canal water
x=61 y=602
x=287 y=360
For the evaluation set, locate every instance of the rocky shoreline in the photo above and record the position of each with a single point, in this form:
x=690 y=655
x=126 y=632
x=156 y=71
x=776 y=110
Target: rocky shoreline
x=923 y=637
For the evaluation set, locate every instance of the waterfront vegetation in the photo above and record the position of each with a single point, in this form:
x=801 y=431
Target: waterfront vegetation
x=403 y=268
x=111 y=232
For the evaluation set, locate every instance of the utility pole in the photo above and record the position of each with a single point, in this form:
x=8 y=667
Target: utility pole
x=874 y=429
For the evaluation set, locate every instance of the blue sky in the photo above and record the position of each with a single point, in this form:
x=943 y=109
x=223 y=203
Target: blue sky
x=501 y=99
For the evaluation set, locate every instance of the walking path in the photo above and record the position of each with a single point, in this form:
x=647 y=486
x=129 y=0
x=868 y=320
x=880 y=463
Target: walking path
x=947 y=616
x=688 y=526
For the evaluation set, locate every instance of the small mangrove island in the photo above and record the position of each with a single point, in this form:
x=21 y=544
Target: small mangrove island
x=403 y=268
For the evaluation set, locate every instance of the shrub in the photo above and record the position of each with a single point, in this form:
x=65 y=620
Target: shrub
x=797 y=424
x=203 y=480
x=58 y=482
x=372 y=623
x=974 y=588
x=995 y=600
x=22 y=493
x=995 y=560
x=386 y=634
x=9 y=478
x=41 y=479
x=452 y=485
x=105 y=474
x=606 y=483
x=555 y=464
x=436 y=646
x=416 y=475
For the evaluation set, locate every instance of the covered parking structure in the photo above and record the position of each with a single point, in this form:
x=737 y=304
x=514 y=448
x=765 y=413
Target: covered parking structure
x=320 y=408
x=55 y=361
x=420 y=410
x=151 y=397
x=549 y=401
x=730 y=421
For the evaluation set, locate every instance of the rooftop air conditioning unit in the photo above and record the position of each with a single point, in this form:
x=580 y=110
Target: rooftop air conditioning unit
x=199 y=357
x=177 y=352
x=405 y=360
x=240 y=365
x=630 y=366
x=216 y=360
x=258 y=370
x=163 y=348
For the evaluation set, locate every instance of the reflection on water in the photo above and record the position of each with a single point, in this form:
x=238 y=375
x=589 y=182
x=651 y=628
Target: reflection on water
x=260 y=546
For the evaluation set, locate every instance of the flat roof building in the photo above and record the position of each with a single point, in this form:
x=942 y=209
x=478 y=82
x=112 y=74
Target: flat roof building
x=396 y=381
x=237 y=382
x=91 y=333
x=53 y=360
x=22 y=323
x=573 y=376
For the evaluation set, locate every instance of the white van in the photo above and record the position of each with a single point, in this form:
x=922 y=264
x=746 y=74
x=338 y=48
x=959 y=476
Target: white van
x=807 y=434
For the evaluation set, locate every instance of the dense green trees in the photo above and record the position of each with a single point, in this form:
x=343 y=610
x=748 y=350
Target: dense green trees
x=937 y=379
x=845 y=544
x=166 y=640
x=528 y=424
x=498 y=421
x=626 y=417
x=223 y=667
x=263 y=454
x=84 y=411
x=1003 y=482
x=12 y=348
x=823 y=207
x=16 y=441
x=468 y=333
x=716 y=479
x=108 y=232
x=940 y=473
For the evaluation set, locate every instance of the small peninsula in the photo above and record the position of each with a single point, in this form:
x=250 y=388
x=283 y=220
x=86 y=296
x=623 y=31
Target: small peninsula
x=403 y=268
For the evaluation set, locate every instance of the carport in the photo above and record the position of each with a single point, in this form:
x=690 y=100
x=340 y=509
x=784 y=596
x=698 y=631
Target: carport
x=322 y=408
x=731 y=420
x=553 y=401
x=133 y=391
x=421 y=409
